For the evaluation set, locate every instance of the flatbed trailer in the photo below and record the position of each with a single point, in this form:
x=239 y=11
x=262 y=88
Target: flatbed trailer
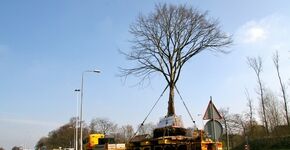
x=174 y=143
x=110 y=147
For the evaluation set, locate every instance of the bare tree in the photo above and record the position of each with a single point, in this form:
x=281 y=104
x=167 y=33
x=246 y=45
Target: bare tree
x=168 y=38
x=226 y=118
x=276 y=63
x=102 y=125
x=126 y=133
x=237 y=123
x=273 y=114
x=250 y=113
x=256 y=65
x=147 y=128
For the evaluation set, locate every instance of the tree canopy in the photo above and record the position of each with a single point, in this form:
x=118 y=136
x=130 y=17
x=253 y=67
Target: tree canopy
x=167 y=38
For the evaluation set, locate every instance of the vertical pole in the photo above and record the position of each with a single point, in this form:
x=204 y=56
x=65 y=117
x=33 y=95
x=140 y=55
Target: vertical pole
x=77 y=120
x=81 y=112
x=227 y=135
x=213 y=124
x=81 y=106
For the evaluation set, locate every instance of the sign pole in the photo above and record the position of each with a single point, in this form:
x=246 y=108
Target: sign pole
x=213 y=125
x=213 y=115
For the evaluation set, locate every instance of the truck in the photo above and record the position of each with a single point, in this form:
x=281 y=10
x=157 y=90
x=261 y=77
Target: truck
x=99 y=141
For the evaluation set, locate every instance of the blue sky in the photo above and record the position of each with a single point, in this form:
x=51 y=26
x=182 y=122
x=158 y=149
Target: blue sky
x=46 y=45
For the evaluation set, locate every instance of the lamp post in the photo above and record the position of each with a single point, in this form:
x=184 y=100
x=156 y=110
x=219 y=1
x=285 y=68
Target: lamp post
x=81 y=105
x=77 y=120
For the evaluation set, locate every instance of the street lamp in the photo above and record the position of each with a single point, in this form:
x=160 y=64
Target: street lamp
x=77 y=120
x=81 y=109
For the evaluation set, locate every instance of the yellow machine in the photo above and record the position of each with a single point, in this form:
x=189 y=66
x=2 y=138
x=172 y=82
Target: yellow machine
x=101 y=142
x=92 y=140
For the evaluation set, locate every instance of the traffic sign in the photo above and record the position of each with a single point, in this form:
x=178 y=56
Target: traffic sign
x=214 y=129
x=211 y=112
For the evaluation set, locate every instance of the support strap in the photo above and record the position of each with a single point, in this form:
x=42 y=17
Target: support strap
x=150 y=112
x=185 y=106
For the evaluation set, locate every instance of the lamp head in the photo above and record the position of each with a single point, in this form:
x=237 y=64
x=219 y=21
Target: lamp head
x=97 y=71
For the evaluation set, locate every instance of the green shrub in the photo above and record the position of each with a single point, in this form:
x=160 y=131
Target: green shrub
x=275 y=143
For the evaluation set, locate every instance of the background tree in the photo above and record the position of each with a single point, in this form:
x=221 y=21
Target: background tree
x=256 y=65
x=273 y=112
x=61 y=137
x=276 y=63
x=250 y=112
x=16 y=148
x=239 y=123
x=128 y=132
x=42 y=143
x=166 y=39
x=102 y=125
x=226 y=118
x=125 y=133
x=147 y=128
x=235 y=126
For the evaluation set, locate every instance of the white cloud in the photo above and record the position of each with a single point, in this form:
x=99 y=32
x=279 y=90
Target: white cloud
x=252 y=33
x=260 y=37
x=268 y=29
x=255 y=34
x=264 y=36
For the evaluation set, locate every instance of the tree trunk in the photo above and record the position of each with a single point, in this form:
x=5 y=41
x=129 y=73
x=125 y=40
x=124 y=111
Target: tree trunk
x=286 y=111
x=284 y=97
x=171 y=110
x=276 y=63
x=263 y=105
